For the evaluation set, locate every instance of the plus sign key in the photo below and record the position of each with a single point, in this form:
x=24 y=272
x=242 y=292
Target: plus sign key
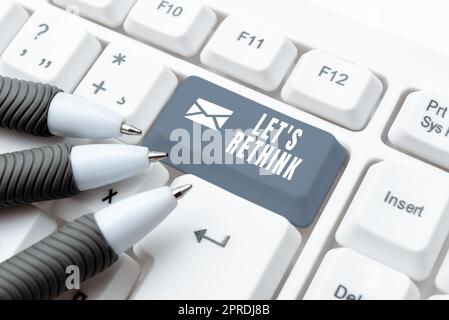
x=112 y=82
x=32 y=55
x=98 y=87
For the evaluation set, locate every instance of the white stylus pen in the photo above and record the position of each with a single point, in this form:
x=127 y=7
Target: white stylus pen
x=96 y=165
x=128 y=221
x=91 y=243
x=61 y=170
x=74 y=116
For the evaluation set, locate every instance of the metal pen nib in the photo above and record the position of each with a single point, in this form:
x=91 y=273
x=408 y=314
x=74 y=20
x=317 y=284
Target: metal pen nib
x=156 y=156
x=179 y=192
x=130 y=130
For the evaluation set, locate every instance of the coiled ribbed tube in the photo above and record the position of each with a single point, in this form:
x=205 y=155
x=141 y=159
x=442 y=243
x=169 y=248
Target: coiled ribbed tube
x=24 y=105
x=36 y=175
x=39 y=272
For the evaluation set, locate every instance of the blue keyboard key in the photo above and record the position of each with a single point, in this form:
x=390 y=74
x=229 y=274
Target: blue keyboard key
x=248 y=149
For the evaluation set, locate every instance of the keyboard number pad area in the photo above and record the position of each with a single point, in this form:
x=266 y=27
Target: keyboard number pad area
x=51 y=49
x=130 y=82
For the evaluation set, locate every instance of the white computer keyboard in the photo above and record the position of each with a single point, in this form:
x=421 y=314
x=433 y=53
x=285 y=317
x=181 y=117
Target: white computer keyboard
x=382 y=231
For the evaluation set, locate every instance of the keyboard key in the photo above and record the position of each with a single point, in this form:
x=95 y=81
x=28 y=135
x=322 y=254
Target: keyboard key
x=114 y=82
x=209 y=251
x=400 y=217
x=334 y=89
x=111 y=13
x=22 y=227
x=346 y=275
x=250 y=52
x=32 y=55
x=116 y=283
x=94 y=200
x=248 y=149
x=180 y=26
x=442 y=278
x=12 y=18
x=422 y=127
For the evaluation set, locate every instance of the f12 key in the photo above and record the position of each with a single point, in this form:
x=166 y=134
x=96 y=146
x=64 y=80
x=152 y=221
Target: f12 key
x=248 y=149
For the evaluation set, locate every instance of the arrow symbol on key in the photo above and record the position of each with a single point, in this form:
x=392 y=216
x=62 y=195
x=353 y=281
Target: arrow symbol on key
x=201 y=234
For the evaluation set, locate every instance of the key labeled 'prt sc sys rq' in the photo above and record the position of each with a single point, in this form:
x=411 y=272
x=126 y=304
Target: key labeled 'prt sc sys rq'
x=422 y=127
x=248 y=149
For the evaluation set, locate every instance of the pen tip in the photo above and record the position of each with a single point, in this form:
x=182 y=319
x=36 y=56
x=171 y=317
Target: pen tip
x=130 y=130
x=179 y=192
x=156 y=156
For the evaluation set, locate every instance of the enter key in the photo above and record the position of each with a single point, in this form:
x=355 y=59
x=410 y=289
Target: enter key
x=248 y=149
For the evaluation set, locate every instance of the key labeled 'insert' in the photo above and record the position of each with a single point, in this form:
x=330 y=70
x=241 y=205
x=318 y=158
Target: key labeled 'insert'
x=264 y=156
x=399 y=217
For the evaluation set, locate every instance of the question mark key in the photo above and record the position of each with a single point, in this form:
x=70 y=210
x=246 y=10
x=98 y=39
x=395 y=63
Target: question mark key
x=62 y=53
x=43 y=28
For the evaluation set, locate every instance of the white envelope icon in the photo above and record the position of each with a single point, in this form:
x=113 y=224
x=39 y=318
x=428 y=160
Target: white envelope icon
x=208 y=114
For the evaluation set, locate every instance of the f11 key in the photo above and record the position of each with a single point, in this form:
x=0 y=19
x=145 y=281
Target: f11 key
x=248 y=149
